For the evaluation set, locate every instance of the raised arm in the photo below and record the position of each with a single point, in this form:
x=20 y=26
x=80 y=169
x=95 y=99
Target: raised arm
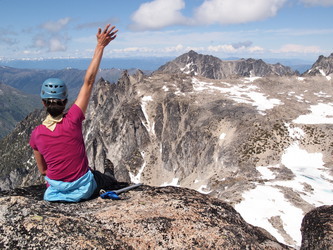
x=103 y=39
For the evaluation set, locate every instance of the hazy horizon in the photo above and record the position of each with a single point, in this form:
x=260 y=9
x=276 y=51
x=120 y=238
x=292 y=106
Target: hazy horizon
x=143 y=63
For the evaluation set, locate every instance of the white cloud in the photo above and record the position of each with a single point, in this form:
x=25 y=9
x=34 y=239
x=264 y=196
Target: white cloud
x=52 y=44
x=31 y=52
x=240 y=11
x=228 y=48
x=55 y=39
x=5 y=36
x=39 y=43
x=180 y=48
x=57 y=25
x=177 y=48
x=158 y=14
x=56 y=44
x=296 y=48
x=318 y=2
x=223 y=48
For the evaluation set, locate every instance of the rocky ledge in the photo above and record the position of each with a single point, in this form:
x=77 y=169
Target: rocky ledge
x=145 y=218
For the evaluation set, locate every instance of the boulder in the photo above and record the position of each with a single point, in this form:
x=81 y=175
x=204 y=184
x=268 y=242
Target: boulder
x=317 y=229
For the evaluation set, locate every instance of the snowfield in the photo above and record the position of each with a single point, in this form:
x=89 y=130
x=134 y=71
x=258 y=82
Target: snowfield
x=267 y=200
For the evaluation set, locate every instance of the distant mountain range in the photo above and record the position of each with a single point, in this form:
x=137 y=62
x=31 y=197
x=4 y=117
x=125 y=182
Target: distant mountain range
x=14 y=107
x=29 y=76
x=144 y=63
x=30 y=80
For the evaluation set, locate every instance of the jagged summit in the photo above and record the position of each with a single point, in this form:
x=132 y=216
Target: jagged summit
x=214 y=68
x=323 y=66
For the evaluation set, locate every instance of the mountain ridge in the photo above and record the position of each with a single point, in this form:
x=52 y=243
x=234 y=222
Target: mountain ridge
x=14 y=106
x=212 y=67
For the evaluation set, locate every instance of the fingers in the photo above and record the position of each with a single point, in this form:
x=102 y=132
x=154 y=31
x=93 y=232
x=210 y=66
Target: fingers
x=108 y=30
x=113 y=34
x=107 y=35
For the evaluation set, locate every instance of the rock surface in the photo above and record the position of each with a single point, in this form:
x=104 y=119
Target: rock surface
x=317 y=229
x=146 y=218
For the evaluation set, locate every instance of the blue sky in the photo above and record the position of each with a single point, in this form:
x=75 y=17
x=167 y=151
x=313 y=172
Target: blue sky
x=35 y=29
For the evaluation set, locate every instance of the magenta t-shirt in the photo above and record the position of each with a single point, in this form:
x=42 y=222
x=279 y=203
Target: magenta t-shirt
x=63 y=149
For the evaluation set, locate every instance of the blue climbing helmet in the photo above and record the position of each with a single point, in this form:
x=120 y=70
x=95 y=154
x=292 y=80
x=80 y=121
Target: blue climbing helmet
x=54 y=88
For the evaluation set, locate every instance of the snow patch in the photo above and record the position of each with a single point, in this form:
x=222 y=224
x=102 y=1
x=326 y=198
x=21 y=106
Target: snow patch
x=187 y=69
x=144 y=104
x=263 y=203
x=308 y=168
x=266 y=173
x=251 y=79
x=178 y=92
x=248 y=94
x=222 y=136
x=322 y=72
x=295 y=132
x=322 y=94
x=165 y=88
x=321 y=114
x=137 y=178
x=267 y=201
x=174 y=183
x=203 y=189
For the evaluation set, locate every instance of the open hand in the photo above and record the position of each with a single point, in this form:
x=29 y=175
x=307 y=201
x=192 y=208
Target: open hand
x=105 y=37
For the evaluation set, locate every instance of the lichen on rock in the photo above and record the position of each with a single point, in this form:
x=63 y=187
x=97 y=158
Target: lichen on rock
x=145 y=218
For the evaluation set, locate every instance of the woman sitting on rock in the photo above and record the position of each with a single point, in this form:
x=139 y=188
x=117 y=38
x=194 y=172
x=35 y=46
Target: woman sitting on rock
x=58 y=143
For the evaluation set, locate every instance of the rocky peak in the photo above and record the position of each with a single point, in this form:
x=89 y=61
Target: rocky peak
x=215 y=68
x=323 y=66
x=145 y=218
